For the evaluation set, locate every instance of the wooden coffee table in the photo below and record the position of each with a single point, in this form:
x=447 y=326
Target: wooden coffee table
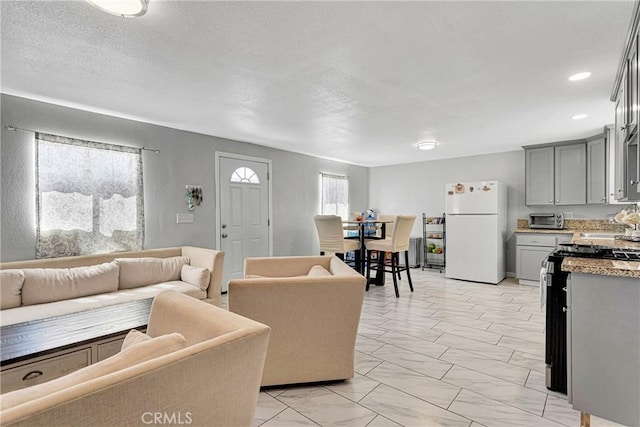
x=39 y=350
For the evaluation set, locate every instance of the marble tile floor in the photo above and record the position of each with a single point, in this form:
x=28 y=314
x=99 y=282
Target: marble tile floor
x=453 y=353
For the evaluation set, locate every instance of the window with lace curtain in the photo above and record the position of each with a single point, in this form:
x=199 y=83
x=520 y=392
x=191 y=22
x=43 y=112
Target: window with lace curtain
x=89 y=197
x=335 y=195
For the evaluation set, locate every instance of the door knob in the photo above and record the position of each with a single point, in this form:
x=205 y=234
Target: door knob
x=225 y=235
x=224 y=225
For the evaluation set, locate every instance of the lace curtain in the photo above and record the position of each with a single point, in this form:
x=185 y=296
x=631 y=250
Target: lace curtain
x=335 y=195
x=89 y=197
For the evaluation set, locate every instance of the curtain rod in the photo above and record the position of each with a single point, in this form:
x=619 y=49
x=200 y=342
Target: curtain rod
x=15 y=128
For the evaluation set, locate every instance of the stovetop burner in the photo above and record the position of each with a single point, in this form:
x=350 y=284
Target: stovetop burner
x=595 y=251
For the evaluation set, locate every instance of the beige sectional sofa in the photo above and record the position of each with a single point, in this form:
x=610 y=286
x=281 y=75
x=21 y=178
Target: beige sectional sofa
x=37 y=289
x=199 y=365
x=312 y=304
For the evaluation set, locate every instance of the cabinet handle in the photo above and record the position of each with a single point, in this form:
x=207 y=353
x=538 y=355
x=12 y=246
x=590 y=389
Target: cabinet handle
x=31 y=375
x=550 y=201
x=557 y=201
x=564 y=289
x=564 y=309
x=632 y=182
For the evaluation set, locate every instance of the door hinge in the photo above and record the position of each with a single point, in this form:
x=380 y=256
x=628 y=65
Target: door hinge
x=268 y=176
x=268 y=223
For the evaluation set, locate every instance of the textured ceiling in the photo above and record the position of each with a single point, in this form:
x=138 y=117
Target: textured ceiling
x=359 y=82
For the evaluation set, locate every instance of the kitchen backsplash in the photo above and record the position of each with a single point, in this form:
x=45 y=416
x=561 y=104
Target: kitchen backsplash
x=582 y=225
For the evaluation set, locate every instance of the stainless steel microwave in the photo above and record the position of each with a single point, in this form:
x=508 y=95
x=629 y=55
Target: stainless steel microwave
x=546 y=220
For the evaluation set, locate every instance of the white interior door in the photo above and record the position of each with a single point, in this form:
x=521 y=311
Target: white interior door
x=244 y=213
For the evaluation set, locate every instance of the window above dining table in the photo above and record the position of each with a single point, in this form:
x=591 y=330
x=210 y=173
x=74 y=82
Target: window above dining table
x=334 y=195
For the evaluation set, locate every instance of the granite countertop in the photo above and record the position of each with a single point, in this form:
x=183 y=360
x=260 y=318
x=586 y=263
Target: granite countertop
x=544 y=231
x=603 y=267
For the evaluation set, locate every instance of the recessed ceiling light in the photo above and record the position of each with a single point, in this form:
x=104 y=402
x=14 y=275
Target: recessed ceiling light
x=580 y=76
x=124 y=8
x=427 y=145
x=579 y=116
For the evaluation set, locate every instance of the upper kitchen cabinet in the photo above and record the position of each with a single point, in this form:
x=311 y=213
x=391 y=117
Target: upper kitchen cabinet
x=597 y=170
x=556 y=174
x=626 y=97
x=539 y=176
x=571 y=170
x=620 y=162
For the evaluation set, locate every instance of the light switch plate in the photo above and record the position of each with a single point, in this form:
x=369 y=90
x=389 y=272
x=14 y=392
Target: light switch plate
x=184 y=218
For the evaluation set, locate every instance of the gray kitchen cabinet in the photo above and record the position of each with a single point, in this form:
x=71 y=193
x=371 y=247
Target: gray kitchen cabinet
x=626 y=96
x=620 y=161
x=539 y=173
x=530 y=260
x=570 y=174
x=556 y=174
x=633 y=169
x=531 y=250
x=597 y=171
x=632 y=97
x=603 y=346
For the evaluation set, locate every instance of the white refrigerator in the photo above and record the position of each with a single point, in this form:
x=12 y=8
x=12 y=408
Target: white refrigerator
x=476 y=231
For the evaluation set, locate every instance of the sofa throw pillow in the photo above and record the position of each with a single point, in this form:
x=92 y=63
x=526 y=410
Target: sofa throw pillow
x=138 y=272
x=142 y=352
x=134 y=337
x=318 y=271
x=43 y=285
x=11 y=288
x=196 y=276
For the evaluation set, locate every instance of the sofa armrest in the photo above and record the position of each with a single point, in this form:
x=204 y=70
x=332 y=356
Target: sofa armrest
x=284 y=266
x=213 y=261
x=213 y=381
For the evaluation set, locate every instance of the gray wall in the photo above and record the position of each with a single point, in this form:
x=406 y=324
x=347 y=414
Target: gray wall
x=188 y=158
x=419 y=187
x=185 y=158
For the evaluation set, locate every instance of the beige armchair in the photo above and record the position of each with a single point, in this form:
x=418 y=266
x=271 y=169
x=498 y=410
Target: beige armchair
x=313 y=319
x=212 y=379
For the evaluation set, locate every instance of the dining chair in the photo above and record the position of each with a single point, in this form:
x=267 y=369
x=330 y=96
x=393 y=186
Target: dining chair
x=331 y=236
x=388 y=232
x=398 y=242
x=388 y=227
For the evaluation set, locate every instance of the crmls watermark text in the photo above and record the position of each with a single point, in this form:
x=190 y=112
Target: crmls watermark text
x=167 y=418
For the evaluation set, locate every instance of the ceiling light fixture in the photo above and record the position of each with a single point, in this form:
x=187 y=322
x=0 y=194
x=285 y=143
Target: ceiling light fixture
x=580 y=76
x=427 y=145
x=124 y=8
x=579 y=116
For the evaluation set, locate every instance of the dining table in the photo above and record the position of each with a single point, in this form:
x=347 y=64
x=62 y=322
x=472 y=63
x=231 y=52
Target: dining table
x=371 y=229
